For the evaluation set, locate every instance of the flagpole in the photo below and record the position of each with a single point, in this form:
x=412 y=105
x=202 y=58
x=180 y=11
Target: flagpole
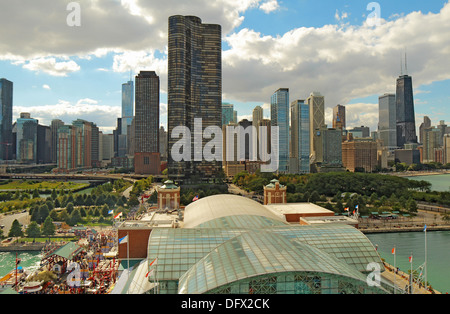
x=395 y=268
x=411 y=276
x=128 y=253
x=426 y=263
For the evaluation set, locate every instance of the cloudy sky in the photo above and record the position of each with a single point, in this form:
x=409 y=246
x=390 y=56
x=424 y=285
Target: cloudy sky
x=334 y=47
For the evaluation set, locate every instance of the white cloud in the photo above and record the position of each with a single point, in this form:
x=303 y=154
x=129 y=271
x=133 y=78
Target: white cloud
x=45 y=86
x=269 y=6
x=51 y=66
x=87 y=109
x=343 y=62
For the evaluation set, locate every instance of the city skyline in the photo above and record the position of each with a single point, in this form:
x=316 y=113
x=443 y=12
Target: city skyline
x=82 y=79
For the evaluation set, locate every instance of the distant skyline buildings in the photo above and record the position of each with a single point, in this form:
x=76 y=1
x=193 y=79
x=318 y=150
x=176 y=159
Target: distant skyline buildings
x=339 y=117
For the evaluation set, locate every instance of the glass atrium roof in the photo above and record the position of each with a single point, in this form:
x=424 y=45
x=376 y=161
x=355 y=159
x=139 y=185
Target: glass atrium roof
x=257 y=253
x=233 y=238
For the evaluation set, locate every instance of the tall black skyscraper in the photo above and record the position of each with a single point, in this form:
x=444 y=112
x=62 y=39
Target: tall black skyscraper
x=194 y=89
x=406 y=121
x=6 y=104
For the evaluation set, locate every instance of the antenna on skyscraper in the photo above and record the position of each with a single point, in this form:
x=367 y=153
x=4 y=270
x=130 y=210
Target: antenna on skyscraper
x=401 y=65
x=406 y=63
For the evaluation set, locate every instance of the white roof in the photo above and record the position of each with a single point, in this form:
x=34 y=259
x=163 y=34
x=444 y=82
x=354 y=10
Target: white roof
x=298 y=208
x=217 y=206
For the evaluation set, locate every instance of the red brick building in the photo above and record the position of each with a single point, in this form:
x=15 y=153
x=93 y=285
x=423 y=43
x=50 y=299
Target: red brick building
x=274 y=193
x=169 y=196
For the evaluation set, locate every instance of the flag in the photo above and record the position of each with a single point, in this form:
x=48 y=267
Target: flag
x=110 y=212
x=150 y=273
x=123 y=240
x=410 y=259
x=346 y=209
x=357 y=207
x=425 y=228
x=393 y=251
x=154 y=262
x=118 y=215
x=195 y=198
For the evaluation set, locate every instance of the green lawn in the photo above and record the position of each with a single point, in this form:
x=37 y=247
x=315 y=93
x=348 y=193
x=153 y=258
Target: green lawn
x=44 y=185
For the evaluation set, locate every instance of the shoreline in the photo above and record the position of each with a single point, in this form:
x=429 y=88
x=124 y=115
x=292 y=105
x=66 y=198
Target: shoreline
x=406 y=229
x=419 y=173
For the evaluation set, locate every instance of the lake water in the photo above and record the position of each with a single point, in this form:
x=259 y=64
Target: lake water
x=29 y=260
x=407 y=243
x=439 y=182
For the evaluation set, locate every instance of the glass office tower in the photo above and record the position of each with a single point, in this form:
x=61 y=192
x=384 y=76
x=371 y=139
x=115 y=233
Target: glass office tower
x=387 y=126
x=279 y=110
x=406 y=121
x=316 y=104
x=6 y=104
x=127 y=105
x=299 y=144
x=194 y=91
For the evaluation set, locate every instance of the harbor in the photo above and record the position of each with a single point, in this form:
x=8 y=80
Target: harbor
x=87 y=266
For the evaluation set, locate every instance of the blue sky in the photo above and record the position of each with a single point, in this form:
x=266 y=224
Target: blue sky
x=77 y=72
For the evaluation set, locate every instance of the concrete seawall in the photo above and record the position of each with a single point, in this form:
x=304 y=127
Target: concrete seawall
x=22 y=247
x=405 y=229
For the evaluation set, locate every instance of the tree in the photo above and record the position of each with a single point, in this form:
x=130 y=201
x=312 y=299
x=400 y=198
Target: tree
x=75 y=217
x=48 y=228
x=105 y=210
x=411 y=206
x=33 y=230
x=16 y=229
x=69 y=208
x=43 y=214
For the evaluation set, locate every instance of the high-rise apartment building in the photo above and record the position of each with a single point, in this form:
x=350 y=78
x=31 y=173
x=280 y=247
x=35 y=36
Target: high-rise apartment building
x=299 y=143
x=146 y=129
x=55 y=125
x=424 y=125
x=194 y=91
x=406 y=121
x=26 y=139
x=339 y=119
x=446 y=148
x=83 y=153
x=127 y=104
x=67 y=148
x=6 y=107
x=359 y=155
x=328 y=148
x=316 y=103
x=279 y=111
x=387 y=125
x=430 y=144
x=228 y=114
x=258 y=116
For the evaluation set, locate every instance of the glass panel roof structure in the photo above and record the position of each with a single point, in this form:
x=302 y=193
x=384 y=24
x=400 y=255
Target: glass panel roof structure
x=257 y=253
x=230 y=239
